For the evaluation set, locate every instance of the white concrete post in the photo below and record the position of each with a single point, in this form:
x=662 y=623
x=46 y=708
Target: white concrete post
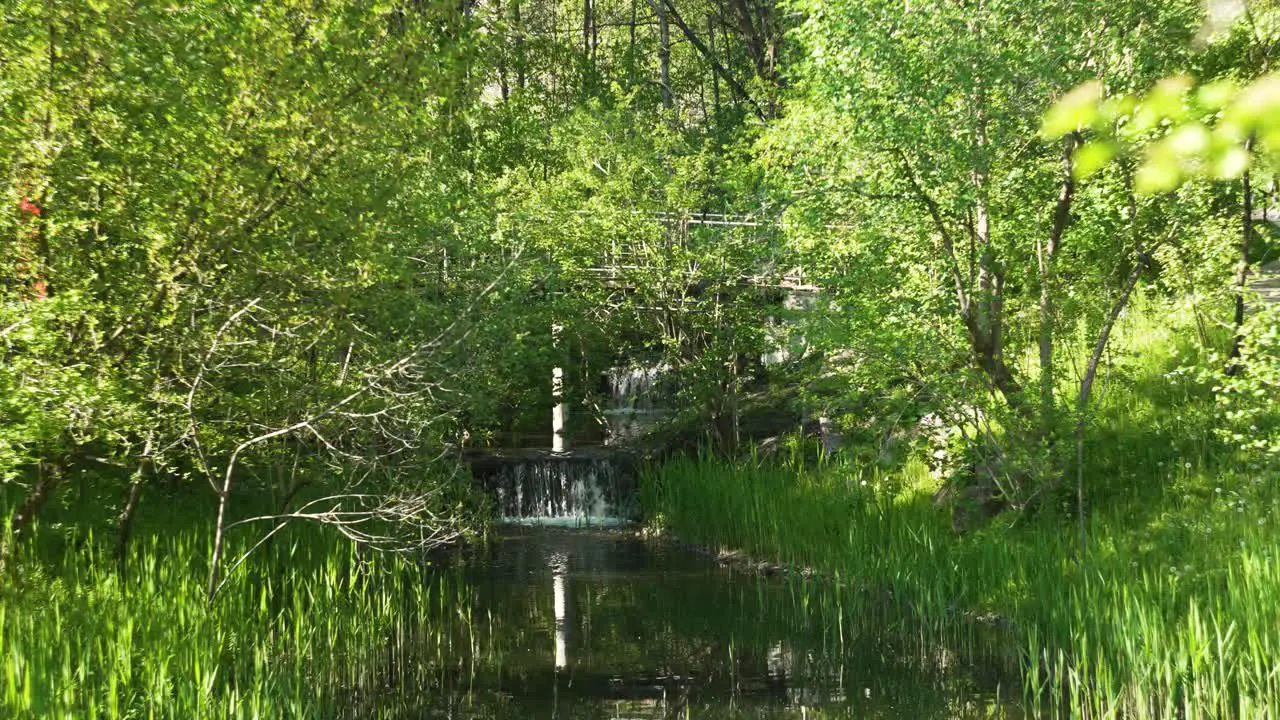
x=560 y=409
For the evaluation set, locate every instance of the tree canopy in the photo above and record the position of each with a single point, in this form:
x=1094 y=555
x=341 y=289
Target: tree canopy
x=337 y=235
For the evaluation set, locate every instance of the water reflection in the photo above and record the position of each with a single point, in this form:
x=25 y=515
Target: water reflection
x=551 y=623
x=559 y=571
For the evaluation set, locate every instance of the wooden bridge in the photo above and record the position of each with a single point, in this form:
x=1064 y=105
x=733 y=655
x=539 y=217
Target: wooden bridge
x=620 y=264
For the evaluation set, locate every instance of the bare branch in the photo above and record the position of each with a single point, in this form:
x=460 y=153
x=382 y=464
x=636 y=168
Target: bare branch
x=371 y=384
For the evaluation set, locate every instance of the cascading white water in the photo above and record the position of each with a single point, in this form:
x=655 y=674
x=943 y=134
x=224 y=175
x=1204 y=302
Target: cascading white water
x=635 y=401
x=563 y=491
x=635 y=387
x=782 y=330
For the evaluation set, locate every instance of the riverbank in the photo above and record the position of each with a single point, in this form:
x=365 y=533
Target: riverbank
x=1149 y=625
x=1169 y=611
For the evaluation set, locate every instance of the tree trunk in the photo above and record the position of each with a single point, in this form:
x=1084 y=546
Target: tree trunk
x=1242 y=270
x=989 y=355
x=595 y=34
x=219 y=535
x=732 y=435
x=753 y=37
x=49 y=478
x=715 y=77
x=125 y=522
x=631 y=29
x=664 y=53
x=980 y=312
x=1086 y=384
x=586 y=31
x=710 y=57
x=519 y=43
x=1047 y=254
x=985 y=315
x=503 y=85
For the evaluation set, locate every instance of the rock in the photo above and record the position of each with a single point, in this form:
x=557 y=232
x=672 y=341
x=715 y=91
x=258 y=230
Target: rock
x=832 y=439
x=972 y=504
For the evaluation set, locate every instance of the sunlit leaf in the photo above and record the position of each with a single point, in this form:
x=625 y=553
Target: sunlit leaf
x=1166 y=101
x=1189 y=140
x=1117 y=107
x=1230 y=132
x=1093 y=157
x=1076 y=110
x=1231 y=163
x=1218 y=94
x=1159 y=172
x=1270 y=142
x=1258 y=105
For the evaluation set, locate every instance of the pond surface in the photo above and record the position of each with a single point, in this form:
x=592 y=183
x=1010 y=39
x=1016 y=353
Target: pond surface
x=577 y=624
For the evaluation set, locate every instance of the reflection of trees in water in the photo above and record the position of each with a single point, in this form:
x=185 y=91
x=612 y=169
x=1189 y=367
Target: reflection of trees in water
x=573 y=626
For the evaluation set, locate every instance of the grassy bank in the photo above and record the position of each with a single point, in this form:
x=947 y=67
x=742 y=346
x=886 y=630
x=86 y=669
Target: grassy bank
x=1150 y=629
x=304 y=630
x=1174 y=610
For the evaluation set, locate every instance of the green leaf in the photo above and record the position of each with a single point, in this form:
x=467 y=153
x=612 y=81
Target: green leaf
x=1076 y=110
x=1217 y=95
x=1092 y=157
x=1230 y=163
x=1116 y=107
x=1270 y=141
x=1189 y=140
x=1258 y=105
x=1166 y=101
x=1160 y=171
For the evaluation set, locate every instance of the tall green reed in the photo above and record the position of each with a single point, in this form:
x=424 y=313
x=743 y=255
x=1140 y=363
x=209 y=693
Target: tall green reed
x=309 y=629
x=1128 y=634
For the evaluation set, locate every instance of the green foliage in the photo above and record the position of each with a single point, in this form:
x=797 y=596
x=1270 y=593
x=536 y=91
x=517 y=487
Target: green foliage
x=1184 y=131
x=1167 y=612
x=1216 y=127
x=206 y=241
x=1246 y=397
x=966 y=261
x=50 y=407
x=356 y=224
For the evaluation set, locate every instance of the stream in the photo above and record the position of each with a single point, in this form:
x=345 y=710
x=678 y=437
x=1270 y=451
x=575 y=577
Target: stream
x=553 y=622
x=569 y=613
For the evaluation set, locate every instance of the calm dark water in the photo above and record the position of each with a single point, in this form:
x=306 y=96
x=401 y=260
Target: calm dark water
x=578 y=624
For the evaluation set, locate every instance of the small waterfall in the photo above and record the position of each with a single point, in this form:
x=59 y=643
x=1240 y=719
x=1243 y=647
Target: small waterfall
x=636 y=388
x=576 y=488
x=635 y=399
x=783 y=329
